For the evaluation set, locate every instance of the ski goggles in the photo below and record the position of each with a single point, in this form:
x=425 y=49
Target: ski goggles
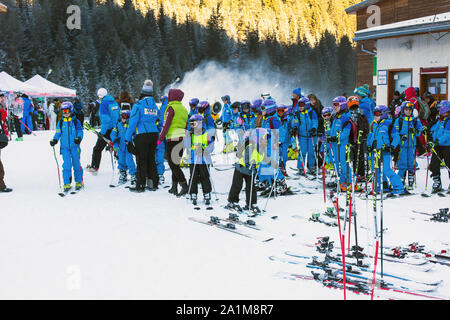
x=301 y=104
x=377 y=113
x=326 y=115
x=66 y=111
x=125 y=116
x=336 y=104
x=195 y=124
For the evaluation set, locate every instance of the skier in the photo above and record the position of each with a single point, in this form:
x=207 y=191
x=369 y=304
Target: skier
x=70 y=132
x=199 y=144
x=440 y=146
x=296 y=95
x=225 y=118
x=245 y=120
x=366 y=104
x=284 y=137
x=17 y=114
x=193 y=103
x=379 y=142
x=109 y=116
x=256 y=109
x=161 y=148
x=304 y=127
x=126 y=160
x=362 y=127
x=407 y=129
x=27 y=119
x=143 y=124
x=250 y=158
x=204 y=109
x=338 y=139
x=174 y=130
x=3 y=188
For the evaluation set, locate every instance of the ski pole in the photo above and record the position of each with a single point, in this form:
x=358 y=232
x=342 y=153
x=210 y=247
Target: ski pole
x=374 y=196
x=428 y=162
x=381 y=205
x=57 y=166
x=31 y=131
x=212 y=184
x=191 y=179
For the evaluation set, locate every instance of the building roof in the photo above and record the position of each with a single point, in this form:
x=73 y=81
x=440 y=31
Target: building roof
x=361 y=5
x=434 y=23
x=3 y=8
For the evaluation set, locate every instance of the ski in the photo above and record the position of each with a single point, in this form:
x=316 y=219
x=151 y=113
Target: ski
x=234 y=218
x=215 y=222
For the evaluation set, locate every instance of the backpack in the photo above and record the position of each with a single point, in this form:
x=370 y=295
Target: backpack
x=353 y=137
x=424 y=109
x=400 y=124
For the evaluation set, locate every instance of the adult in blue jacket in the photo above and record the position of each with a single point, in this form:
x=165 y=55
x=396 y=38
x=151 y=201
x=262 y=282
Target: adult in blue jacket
x=144 y=124
x=70 y=132
x=27 y=119
x=109 y=116
x=440 y=146
x=379 y=142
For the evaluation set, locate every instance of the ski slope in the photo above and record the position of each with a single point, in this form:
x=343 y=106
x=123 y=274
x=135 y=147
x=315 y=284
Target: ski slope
x=109 y=243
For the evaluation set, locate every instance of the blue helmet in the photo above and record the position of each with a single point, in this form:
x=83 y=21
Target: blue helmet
x=303 y=101
x=327 y=111
x=381 y=111
x=195 y=121
x=193 y=102
x=270 y=106
x=226 y=98
x=444 y=107
x=204 y=107
x=245 y=104
x=256 y=106
x=341 y=102
x=407 y=104
x=66 y=107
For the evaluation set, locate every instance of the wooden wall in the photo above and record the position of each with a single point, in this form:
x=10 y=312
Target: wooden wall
x=391 y=11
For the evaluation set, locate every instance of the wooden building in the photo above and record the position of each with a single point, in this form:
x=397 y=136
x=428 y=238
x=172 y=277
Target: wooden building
x=402 y=43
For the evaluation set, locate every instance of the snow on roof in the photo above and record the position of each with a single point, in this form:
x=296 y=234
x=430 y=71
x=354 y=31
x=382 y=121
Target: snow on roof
x=433 y=23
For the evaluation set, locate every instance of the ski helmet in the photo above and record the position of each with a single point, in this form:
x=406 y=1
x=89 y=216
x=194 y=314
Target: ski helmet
x=236 y=105
x=66 y=107
x=256 y=106
x=226 y=98
x=125 y=113
x=270 y=106
x=101 y=93
x=381 y=111
x=352 y=102
x=195 y=120
x=327 y=112
x=341 y=102
x=445 y=107
x=407 y=104
x=282 y=107
x=245 y=104
x=304 y=102
x=193 y=102
x=203 y=107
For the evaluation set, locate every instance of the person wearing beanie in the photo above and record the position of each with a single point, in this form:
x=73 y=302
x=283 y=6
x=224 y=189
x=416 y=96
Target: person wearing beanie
x=174 y=129
x=143 y=133
x=109 y=116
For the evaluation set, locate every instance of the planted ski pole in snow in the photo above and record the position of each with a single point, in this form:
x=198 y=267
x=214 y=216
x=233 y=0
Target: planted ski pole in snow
x=57 y=166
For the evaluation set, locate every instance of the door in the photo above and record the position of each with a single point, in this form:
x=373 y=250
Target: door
x=398 y=80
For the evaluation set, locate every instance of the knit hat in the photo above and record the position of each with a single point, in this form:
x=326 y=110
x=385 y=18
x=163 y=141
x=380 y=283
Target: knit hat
x=147 y=88
x=175 y=95
x=298 y=91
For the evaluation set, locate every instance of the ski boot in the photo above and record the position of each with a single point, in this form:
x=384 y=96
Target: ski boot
x=67 y=187
x=91 y=169
x=207 y=198
x=194 y=199
x=137 y=189
x=161 y=179
x=78 y=186
x=174 y=189
x=150 y=185
x=133 y=179
x=254 y=209
x=184 y=189
x=437 y=185
x=410 y=181
x=122 y=177
x=282 y=187
x=233 y=206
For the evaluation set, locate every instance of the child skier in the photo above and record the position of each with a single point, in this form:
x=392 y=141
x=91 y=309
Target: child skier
x=200 y=145
x=70 y=131
x=250 y=158
x=379 y=144
x=440 y=146
x=407 y=129
x=126 y=160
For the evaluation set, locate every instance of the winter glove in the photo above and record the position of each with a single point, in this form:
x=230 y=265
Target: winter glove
x=77 y=140
x=312 y=132
x=53 y=142
x=332 y=139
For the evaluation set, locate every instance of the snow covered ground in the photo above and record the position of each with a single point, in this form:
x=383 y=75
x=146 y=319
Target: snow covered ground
x=106 y=243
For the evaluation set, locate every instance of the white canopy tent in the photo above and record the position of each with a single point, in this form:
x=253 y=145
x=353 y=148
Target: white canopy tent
x=10 y=84
x=50 y=89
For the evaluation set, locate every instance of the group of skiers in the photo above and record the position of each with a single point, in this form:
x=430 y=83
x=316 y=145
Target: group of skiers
x=351 y=138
